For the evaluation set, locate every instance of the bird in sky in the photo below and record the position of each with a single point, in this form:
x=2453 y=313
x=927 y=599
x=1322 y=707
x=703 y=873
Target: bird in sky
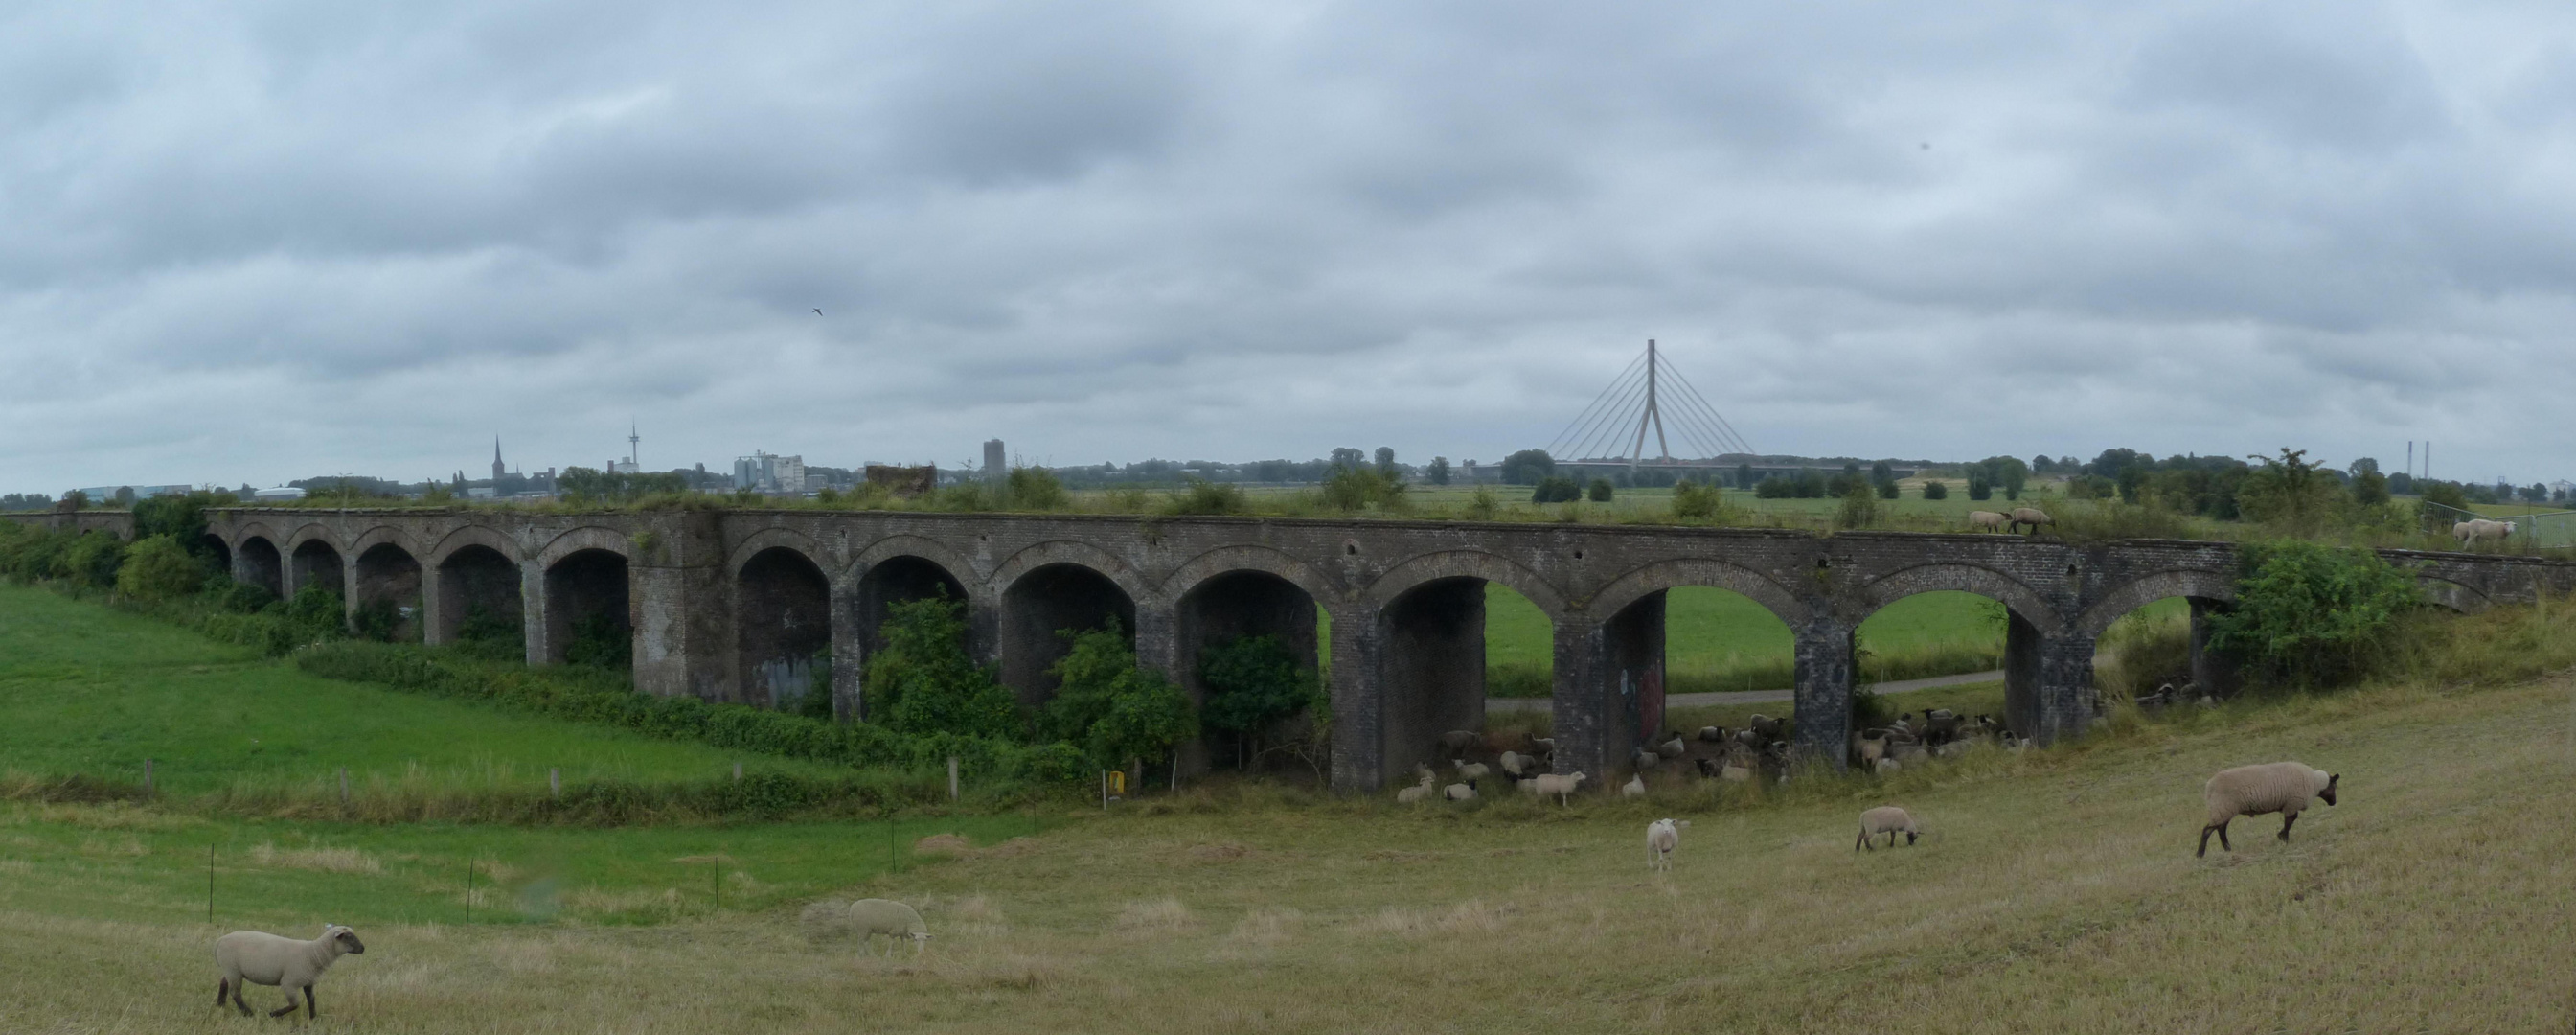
x=818 y=312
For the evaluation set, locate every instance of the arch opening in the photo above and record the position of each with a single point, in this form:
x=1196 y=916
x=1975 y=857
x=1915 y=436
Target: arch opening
x=2162 y=644
x=479 y=602
x=1695 y=639
x=897 y=580
x=588 y=620
x=213 y=548
x=1219 y=620
x=314 y=564
x=388 y=603
x=784 y=630
x=1963 y=640
x=1048 y=599
x=257 y=563
x=1431 y=669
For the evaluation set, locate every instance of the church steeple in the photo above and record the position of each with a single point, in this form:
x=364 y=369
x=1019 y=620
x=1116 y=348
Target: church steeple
x=497 y=469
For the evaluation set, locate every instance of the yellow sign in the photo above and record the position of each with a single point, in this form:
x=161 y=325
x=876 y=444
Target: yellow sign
x=1117 y=782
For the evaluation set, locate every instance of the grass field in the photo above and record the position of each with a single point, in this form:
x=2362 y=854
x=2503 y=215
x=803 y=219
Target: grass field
x=2053 y=892
x=88 y=690
x=1720 y=640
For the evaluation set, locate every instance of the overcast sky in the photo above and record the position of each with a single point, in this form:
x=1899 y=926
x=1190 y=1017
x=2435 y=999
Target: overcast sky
x=252 y=242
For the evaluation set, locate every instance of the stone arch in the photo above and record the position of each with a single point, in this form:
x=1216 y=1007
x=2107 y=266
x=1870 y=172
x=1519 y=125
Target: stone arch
x=314 y=557
x=1081 y=555
x=1699 y=571
x=1229 y=594
x=2147 y=589
x=2022 y=600
x=384 y=535
x=250 y=530
x=782 y=619
x=387 y=587
x=2458 y=596
x=473 y=535
x=924 y=547
x=586 y=537
x=1424 y=569
x=589 y=611
x=257 y=561
x=1227 y=560
x=778 y=538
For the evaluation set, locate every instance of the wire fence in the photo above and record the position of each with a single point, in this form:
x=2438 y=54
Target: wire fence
x=2533 y=527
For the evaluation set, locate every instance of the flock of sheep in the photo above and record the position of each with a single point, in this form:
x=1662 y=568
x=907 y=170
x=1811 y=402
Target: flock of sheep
x=1990 y=521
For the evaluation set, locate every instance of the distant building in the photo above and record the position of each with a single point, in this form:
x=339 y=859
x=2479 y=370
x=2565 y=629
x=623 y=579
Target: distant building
x=289 y=492
x=107 y=493
x=621 y=467
x=497 y=469
x=770 y=473
x=995 y=466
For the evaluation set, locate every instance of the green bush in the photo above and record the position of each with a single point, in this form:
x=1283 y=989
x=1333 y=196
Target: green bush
x=1859 y=508
x=1252 y=683
x=1940 y=490
x=1201 y=496
x=158 y=568
x=1116 y=711
x=1034 y=488
x=923 y=682
x=92 y=560
x=1357 y=487
x=1695 y=500
x=2309 y=615
x=1599 y=491
x=601 y=641
x=1556 y=489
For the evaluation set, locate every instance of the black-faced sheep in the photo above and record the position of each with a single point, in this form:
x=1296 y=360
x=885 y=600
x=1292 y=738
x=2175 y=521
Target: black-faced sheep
x=254 y=957
x=2252 y=790
x=1888 y=820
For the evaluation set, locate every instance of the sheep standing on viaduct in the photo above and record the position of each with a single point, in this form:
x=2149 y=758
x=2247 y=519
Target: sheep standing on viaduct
x=2253 y=790
x=755 y=607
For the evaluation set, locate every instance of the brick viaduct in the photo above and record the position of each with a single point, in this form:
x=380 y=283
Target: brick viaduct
x=733 y=605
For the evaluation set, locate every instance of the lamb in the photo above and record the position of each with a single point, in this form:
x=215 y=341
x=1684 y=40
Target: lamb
x=1662 y=836
x=2032 y=516
x=874 y=916
x=1672 y=748
x=1561 y=786
x=1460 y=791
x=1634 y=788
x=1885 y=819
x=1869 y=750
x=2252 y=790
x=257 y=958
x=1472 y=771
x=1418 y=791
x=1987 y=520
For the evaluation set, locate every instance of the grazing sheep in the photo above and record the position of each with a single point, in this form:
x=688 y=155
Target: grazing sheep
x=1673 y=748
x=1662 y=836
x=1561 y=786
x=1987 y=521
x=1634 y=788
x=1472 y=770
x=2032 y=516
x=2252 y=790
x=257 y=958
x=1460 y=791
x=874 y=916
x=1519 y=765
x=1888 y=820
x=2468 y=532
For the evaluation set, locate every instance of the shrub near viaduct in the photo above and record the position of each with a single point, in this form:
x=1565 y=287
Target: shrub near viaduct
x=732 y=605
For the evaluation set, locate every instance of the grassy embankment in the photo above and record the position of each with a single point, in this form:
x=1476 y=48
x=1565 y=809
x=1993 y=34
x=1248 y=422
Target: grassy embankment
x=2056 y=891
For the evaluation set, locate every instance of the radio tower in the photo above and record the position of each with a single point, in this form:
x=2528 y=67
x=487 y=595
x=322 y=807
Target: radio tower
x=633 y=459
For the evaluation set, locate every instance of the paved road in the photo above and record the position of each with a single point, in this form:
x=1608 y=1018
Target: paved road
x=1525 y=704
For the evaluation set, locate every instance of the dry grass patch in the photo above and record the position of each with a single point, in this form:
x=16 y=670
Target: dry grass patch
x=1162 y=915
x=323 y=860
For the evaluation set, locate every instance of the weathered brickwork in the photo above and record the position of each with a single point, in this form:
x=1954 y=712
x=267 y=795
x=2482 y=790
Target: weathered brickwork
x=718 y=600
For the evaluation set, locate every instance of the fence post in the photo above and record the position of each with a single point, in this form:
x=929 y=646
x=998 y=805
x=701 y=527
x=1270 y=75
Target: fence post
x=147 y=778
x=952 y=779
x=344 y=788
x=737 y=772
x=554 y=783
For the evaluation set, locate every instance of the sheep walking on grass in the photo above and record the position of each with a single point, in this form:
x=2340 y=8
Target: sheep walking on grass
x=1561 y=786
x=871 y=917
x=2252 y=790
x=2032 y=516
x=1888 y=820
x=256 y=958
x=1662 y=836
x=1987 y=520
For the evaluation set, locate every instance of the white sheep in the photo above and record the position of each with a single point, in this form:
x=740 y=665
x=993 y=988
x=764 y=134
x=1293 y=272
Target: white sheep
x=1471 y=770
x=1634 y=788
x=2252 y=790
x=1528 y=785
x=1662 y=836
x=1673 y=748
x=1886 y=766
x=1460 y=791
x=2032 y=516
x=1885 y=819
x=1713 y=734
x=1987 y=520
x=875 y=916
x=2480 y=528
x=1561 y=786
x=1418 y=791
x=1518 y=765
x=258 y=958
x=1647 y=759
